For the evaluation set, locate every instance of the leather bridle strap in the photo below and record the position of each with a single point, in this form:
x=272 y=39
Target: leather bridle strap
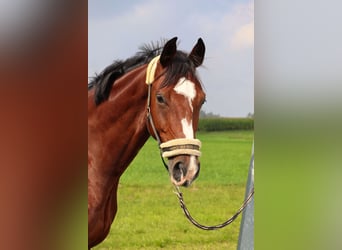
x=150 y=72
x=149 y=116
x=150 y=120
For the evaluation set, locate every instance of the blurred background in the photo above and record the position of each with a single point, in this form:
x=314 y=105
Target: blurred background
x=43 y=67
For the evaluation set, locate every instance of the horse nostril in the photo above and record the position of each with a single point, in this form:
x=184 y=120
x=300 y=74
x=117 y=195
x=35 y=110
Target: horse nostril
x=178 y=170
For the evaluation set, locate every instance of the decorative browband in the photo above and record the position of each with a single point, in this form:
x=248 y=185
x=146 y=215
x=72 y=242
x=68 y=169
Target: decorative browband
x=151 y=70
x=181 y=146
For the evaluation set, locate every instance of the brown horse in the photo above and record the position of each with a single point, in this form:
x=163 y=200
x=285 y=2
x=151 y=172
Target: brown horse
x=155 y=93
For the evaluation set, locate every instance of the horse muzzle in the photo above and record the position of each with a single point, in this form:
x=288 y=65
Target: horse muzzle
x=183 y=165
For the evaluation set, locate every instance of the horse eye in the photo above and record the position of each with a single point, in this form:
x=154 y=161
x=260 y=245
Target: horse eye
x=160 y=99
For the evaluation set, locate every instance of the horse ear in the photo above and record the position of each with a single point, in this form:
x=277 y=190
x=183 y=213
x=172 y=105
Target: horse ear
x=197 y=53
x=169 y=51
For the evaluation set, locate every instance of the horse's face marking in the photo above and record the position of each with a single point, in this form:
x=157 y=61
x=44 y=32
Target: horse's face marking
x=188 y=131
x=177 y=107
x=186 y=88
x=187 y=128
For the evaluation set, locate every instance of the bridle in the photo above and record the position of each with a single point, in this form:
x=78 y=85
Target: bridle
x=174 y=147
x=181 y=146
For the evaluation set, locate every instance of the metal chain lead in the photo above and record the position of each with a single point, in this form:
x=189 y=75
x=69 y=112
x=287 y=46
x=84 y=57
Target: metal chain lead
x=226 y=223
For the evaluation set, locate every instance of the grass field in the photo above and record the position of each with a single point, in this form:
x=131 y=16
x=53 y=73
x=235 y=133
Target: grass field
x=149 y=216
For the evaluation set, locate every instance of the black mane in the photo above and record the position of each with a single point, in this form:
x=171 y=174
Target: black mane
x=181 y=66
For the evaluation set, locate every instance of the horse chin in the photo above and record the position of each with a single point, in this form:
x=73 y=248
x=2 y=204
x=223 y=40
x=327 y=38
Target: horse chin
x=183 y=170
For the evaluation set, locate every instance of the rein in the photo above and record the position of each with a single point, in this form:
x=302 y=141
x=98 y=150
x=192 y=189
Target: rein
x=182 y=146
x=201 y=226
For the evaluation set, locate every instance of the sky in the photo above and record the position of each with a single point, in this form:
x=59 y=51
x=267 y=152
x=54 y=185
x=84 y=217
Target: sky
x=116 y=29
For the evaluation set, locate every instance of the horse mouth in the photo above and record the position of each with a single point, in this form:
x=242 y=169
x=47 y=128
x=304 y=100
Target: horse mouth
x=186 y=184
x=183 y=182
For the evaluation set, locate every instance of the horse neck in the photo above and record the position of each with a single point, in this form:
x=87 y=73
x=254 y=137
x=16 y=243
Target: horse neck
x=120 y=122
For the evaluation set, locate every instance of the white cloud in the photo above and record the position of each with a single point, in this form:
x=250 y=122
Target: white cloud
x=243 y=37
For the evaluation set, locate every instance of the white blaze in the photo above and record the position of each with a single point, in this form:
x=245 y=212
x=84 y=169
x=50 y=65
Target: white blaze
x=187 y=88
x=187 y=129
x=189 y=134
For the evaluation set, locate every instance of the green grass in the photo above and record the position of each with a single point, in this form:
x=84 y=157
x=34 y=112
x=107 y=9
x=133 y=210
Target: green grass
x=149 y=216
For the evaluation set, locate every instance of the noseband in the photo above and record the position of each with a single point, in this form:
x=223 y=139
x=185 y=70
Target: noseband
x=171 y=148
x=181 y=147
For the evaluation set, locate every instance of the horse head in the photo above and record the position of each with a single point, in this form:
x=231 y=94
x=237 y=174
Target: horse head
x=174 y=103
